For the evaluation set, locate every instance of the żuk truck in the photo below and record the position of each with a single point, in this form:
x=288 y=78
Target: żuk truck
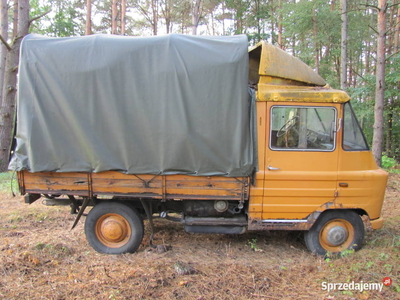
x=166 y=127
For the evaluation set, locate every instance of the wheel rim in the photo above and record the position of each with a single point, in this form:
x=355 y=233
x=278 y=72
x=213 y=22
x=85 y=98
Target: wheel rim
x=113 y=230
x=337 y=235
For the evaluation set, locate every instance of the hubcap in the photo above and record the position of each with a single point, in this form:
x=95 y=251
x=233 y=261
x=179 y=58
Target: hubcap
x=113 y=230
x=336 y=235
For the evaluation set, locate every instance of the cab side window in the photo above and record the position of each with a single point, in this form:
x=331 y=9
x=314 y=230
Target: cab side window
x=353 y=137
x=303 y=128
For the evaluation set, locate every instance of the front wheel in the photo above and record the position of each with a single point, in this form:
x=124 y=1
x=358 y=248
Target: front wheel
x=335 y=231
x=114 y=228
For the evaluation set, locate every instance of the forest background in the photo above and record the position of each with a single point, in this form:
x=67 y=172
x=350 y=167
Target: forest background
x=353 y=44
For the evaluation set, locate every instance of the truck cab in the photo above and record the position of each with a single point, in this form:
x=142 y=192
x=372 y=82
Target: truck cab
x=316 y=172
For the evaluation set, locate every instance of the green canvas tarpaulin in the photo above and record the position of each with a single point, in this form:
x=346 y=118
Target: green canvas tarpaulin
x=172 y=104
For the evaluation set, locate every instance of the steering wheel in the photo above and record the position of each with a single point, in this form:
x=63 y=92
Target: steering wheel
x=287 y=126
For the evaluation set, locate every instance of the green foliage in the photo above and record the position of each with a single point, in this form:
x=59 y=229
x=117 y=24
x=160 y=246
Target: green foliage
x=64 y=22
x=383 y=256
x=392 y=109
x=15 y=218
x=253 y=244
x=388 y=162
x=40 y=246
x=63 y=19
x=347 y=252
x=315 y=26
x=363 y=96
x=37 y=9
x=239 y=10
x=348 y=293
x=8 y=181
x=396 y=241
x=114 y=295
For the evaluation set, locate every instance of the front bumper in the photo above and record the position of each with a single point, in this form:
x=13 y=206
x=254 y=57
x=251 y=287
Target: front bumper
x=377 y=223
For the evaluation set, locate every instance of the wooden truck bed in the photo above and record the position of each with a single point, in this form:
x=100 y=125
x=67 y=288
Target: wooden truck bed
x=112 y=183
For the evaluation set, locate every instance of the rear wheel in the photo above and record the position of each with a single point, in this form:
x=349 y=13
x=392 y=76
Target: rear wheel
x=335 y=231
x=114 y=228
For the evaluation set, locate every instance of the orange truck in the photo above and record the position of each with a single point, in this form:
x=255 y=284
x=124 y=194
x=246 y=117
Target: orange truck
x=312 y=169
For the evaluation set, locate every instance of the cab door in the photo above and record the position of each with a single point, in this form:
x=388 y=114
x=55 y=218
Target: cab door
x=301 y=161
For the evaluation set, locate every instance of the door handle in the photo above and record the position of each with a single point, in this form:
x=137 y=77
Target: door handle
x=272 y=168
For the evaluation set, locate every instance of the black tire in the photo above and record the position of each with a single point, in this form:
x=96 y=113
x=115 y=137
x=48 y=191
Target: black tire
x=334 y=232
x=114 y=228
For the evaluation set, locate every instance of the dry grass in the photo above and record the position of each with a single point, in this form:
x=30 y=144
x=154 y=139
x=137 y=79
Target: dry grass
x=41 y=258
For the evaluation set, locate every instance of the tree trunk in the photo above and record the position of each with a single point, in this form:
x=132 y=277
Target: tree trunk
x=389 y=129
x=377 y=140
x=123 y=16
x=15 y=19
x=212 y=23
x=280 y=29
x=343 y=60
x=196 y=16
x=294 y=40
x=294 y=46
x=3 y=48
x=167 y=14
x=7 y=112
x=223 y=20
x=114 y=13
x=272 y=23
x=88 y=30
x=154 y=8
x=316 y=45
x=390 y=37
x=397 y=31
x=367 y=67
x=350 y=76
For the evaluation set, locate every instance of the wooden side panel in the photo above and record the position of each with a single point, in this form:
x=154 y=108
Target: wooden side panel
x=141 y=186
x=197 y=187
x=115 y=183
x=56 y=183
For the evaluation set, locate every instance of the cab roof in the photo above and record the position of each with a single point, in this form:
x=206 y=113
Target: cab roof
x=279 y=76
